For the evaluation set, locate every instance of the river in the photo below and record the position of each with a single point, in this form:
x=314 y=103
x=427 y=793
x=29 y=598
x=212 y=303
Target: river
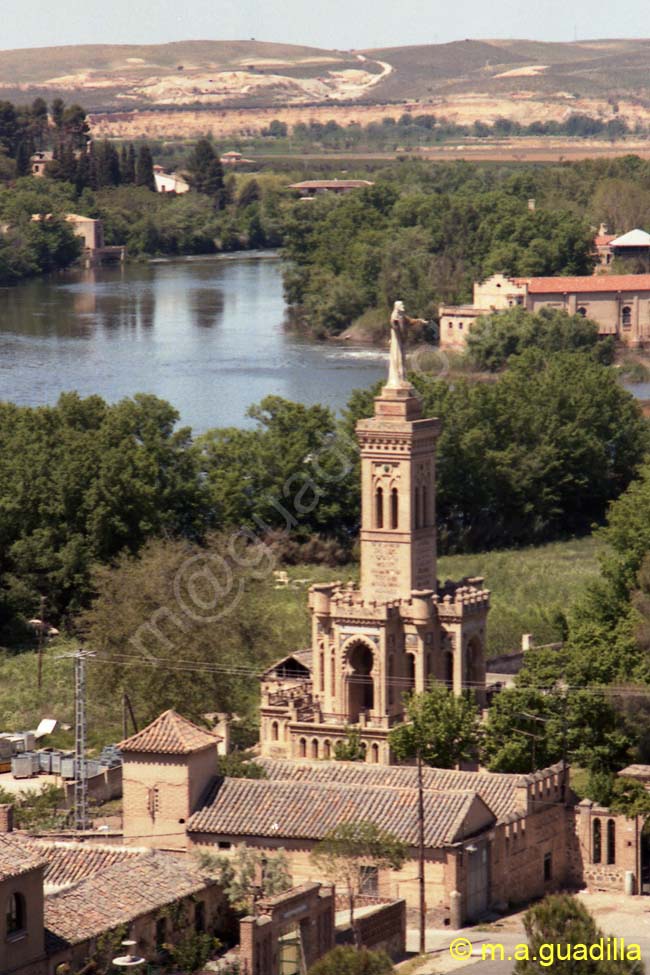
x=206 y=334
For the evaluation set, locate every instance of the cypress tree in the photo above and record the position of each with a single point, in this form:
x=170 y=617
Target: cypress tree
x=144 y=168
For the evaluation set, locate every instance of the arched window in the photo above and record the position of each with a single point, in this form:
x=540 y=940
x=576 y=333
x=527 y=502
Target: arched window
x=379 y=508
x=626 y=316
x=394 y=508
x=597 y=842
x=449 y=668
x=332 y=676
x=611 y=841
x=302 y=748
x=16 y=914
x=418 y=508
x=314 y=748
x=374 y=754
x=327 y=749
x=274 y=731
x=425 y=507
x=321 y=663
x=389 y=678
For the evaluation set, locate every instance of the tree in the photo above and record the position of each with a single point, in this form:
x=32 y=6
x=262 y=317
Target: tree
x=167 y=624
x=559 y=921
x=495 y=338
x=348 y=852
x=144 y=169
x=248 y=875
x=351 y=748
x=346 y=960
x=441 y=728
x=205 y=171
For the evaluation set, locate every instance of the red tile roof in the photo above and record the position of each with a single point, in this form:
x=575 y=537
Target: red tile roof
x=602 y=240
x=120 y=894
x=67 y=863
x=588 y=284
x=495 y=788
x=16 y=858
x=308 y=810
x=170 y=734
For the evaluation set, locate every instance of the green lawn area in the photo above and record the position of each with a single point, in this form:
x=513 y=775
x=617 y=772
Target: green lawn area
x=530 y=587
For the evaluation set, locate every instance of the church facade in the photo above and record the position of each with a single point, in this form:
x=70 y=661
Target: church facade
x=400 y=628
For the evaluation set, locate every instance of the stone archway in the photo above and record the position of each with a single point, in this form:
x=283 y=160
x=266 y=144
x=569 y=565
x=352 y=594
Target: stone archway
x=359 y=683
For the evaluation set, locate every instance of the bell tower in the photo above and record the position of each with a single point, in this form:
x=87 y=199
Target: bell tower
x=398 y=481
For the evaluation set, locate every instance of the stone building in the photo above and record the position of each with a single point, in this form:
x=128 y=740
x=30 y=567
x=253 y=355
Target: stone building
x=400 y=628
x=618 y=303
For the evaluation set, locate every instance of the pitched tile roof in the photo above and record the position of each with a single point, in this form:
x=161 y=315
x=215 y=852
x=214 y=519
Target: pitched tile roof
x=120 y=894
x=170 y=734
x=496 y=789
x=16 y=859
x=308 y=810
x=67 y=863
x=596 y=283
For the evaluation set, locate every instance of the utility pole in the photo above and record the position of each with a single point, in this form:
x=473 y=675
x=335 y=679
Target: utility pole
x=80 y=779
x=421 y=877
x=41 y=638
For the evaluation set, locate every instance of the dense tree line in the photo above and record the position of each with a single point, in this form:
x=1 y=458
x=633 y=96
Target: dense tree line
x=426 y=129
x=424 y=242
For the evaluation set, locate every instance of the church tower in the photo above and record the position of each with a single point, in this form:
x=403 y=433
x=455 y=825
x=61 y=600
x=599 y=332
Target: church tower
x=400 y=629
x=398 y=534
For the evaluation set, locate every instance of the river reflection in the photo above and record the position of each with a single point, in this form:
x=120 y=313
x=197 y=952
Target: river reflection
x=205 y=334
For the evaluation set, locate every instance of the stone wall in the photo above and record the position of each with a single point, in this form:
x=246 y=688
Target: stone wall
x=384 y=930
x=605 y=870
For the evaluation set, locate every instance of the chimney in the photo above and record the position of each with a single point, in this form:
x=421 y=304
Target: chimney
x=602 y=230
x=6 y=818
x=527 y=642
x=531 y=204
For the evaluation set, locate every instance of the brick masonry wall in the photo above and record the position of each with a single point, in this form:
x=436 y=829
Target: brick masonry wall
x=6 y=818
x=384 y=929
x=603 y=875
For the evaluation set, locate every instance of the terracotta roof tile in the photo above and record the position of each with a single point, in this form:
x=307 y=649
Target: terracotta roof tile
x=496 y=789
x=308 y=810
x=67 y=863
x=119 y=894
x=16 y=858
x=170 y=734
x=588 y=284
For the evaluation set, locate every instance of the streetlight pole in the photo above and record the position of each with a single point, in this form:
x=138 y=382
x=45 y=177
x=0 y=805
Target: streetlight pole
x=421 y=875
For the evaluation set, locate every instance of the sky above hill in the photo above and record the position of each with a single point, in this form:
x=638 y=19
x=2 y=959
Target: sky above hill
x=330 y=23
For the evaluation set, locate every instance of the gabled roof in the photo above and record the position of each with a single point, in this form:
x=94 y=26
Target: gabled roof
x=120 y=894
x=16 y=859
x=308 y=810
x=68 y=862
x=170 y=734
x=633 y=238
x=302 y=657
x=597 y=283
x=497 y=789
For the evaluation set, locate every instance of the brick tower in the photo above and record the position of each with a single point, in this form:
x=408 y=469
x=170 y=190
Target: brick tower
x=400 y=629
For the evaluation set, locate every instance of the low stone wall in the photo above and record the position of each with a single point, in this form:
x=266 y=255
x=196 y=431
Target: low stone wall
x=103 y=787
x=383 y=930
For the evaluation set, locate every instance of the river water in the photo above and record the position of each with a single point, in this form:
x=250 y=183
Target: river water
x=206 y=334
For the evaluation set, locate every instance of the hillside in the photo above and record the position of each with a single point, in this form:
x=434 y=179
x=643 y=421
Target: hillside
x=258 y=74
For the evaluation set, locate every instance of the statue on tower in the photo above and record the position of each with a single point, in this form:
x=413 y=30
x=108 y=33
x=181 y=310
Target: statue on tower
x=399 y=324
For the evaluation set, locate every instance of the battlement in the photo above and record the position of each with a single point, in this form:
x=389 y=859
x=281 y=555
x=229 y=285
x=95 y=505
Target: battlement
x=457 y=599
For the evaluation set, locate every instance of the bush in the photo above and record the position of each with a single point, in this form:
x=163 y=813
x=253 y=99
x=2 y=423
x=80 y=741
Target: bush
x=346 y=960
